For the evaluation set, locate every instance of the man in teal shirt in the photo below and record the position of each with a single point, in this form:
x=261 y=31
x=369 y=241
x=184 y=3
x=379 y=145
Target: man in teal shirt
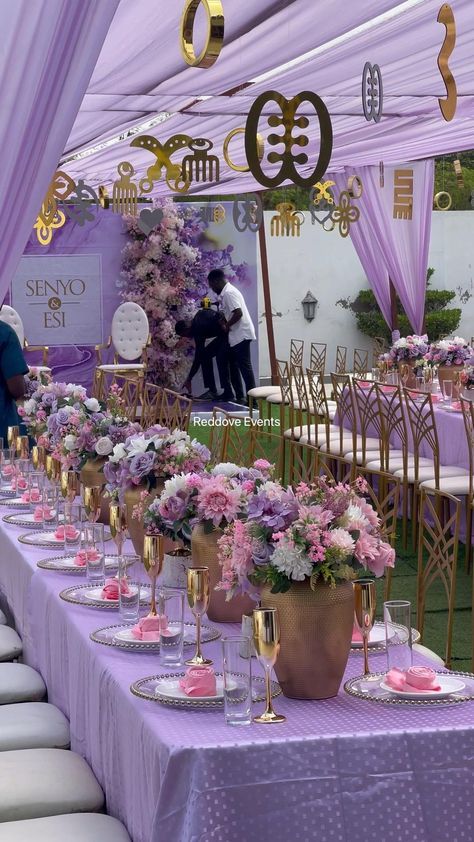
x=13 y=367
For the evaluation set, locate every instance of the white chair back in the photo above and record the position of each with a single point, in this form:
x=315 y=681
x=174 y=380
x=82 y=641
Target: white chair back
x=130 y=330
x=12 y=318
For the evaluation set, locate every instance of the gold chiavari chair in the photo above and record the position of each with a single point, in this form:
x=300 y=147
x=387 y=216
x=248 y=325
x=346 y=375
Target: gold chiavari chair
x=176 y=411
x=150 y=410
x=341 y=359
x=131 y=392
x=437 y=556
x=237 y=441
x=379 y=346
x=323 y=429
x=282 y=399
x=296 y=351
x=383 y=492
x=369 y=426
x=217 y=436
x=360 y=365
x=348 y=440
x=267 y=445
x=317 y=357
x=300 y=418
x=303 y=462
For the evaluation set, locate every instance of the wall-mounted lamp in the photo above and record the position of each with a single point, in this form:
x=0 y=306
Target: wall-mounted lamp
x=309 y=306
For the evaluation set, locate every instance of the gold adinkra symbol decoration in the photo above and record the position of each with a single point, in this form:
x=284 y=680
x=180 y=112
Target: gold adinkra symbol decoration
x=287 y=222
x=214 y=37
x=247 y=213
x=449 y=104
x=372 y=92
x=163 y=153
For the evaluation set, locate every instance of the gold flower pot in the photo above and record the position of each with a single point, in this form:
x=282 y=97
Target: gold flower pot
x=450 y=372
x=204 y=553
x=409 y=365
x=135 y=525
x=92 y=474
x=315 y=637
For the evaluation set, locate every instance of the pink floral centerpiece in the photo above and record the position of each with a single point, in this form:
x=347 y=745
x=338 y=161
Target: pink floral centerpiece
x=406 y=349
x=45 y=401
x=449 y=352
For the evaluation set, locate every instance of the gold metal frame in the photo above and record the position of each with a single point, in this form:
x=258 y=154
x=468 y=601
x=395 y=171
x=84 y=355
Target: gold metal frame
x=215 y=33
x=176 y=410
x=317 y=357
x=360 y=364
x=341 y=359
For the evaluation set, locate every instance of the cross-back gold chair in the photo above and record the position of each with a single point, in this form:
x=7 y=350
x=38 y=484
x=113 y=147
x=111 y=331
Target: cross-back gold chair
x=175 y=411
x=152 y=399
x=303 y=462
x=237 y=440
x=300 y=418
x=322 y=430
x=467 y=407
x=360 y=365
x=131 y=391
x=370 y=438
x=317 y=357
x=383 y=491
x=296 y=351
x=438 y=543
x=342 y=390
x=217 y=436
x=341 y=359
x=379 y=346
x=267 y=445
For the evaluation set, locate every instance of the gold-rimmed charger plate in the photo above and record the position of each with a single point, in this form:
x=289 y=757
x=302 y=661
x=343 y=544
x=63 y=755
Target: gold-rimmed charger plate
x=149 y=688
x=84 y=595
x=41 y=538
x=65 y=564
x=8 y=491
x=378 y=645
x=13 y=502
x=369 y=689
x=107 y=637
x=26 y=520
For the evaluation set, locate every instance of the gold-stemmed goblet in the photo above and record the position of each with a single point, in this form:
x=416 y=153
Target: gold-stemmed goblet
x=41 y=450
x=69 y=485
x=91 y=496
x=35 y=457
x=56 y=470
x=118 y=524
x=266 y=638
x=23 y=447
x=153 y=553
x=49 y=466
x=198 y=589
x=12 y=435
x=365 y=602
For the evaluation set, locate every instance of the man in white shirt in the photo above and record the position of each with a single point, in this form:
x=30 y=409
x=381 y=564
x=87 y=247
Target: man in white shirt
x=239 y=326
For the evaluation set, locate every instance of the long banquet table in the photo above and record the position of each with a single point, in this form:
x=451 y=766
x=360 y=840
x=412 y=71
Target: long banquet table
x=342 y=769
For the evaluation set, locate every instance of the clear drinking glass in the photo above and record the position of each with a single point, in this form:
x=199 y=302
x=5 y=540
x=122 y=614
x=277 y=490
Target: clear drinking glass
x=397 y=617
x=171 y=611
x=35 y=481
x=237 y=663
x=130 y=570
x=50 y=507
x=72 y=525
x=447 y=387
x=93 y=545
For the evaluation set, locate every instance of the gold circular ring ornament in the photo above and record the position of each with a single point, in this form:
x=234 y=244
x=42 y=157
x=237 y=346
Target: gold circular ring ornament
x=441 y=196
x=215 y=32
x=225 y=149
x=355 y=187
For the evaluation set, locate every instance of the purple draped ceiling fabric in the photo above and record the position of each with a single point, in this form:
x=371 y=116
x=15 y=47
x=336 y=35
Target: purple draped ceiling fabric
x=49 y=50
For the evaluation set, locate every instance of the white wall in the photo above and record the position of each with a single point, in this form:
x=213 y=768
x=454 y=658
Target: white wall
x=328 y=266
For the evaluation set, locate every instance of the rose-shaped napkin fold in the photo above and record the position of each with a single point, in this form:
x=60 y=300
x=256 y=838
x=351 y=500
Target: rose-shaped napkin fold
x=42 y=513
x=83 y=556
x=148 y=628
x=199 y=681
x=70 y=532
x=33 y=496
x=415 y=678
x=356 y=635
x=8 y=470
x=456 y=405
x=19 y=483
x=111 y=589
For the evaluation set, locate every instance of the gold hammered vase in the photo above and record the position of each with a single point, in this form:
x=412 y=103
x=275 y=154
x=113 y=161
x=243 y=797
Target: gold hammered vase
x=91 y=474
x=135 y=526
x=450 y=372
x=315 y=637
x=204 y=553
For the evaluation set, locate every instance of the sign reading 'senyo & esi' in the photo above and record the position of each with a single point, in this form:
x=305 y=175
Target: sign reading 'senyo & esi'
x=59 y=298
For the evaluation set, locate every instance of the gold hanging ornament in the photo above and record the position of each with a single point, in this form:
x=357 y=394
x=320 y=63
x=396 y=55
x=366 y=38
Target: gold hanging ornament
x=214 y=36
x=458 y=173
x=104 y=198
x=449 y=104
x=247 y=213
x=200 y=166
x=403 y=194
x=225 y=150
x=355 y=187
x=163 y=153
x=288 y=121
x=442 y=196
x=287 y=222
x=125 y=193
x=44 y=232
x=345 y=214
x=49 y=217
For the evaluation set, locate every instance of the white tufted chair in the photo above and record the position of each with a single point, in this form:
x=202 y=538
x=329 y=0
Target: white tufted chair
x=130 y=338
x=11 y=317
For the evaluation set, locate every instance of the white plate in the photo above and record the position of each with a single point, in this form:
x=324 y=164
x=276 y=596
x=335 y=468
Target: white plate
x=448 y=685
x=26 y=519
x=376 y=637
x=169 y=688
x=13 y=502
x=67 y=562
x=94 y=594
x=452 y=409
x=38 y=538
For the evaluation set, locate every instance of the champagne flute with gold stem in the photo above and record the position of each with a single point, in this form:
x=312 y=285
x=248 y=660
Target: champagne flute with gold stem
x=266 y=638
x=118 y=524
x=12 y=435
x=365 y=602
x=198 y=589
x=69 y=485
x=91 y=496
x=153 y=554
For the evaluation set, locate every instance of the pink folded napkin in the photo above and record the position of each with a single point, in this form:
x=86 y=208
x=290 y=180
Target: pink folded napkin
x=414 y=678
x=388 y=389
x=69 y=532
x=111 y=589
x=33 y=496
x=149 y=628
x=42 y=513
x=436 y=398
x=356 y=635
x=456 y=405
x=8 y=470
x=83 y=556
x=19 y=483
x=199 y=681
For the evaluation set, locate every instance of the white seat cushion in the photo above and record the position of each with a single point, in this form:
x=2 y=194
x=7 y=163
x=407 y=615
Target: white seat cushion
x=33 y=725
x=276 y=397
x=302 y=432
x=121 y=367
x=78 y=827
x=20 y=683
x=396 y=462
x=46 y=782
x=3 y=619
x=459 y=486
x=428 y=653
x=428 y=473
x=10 y=644
x=263 y=391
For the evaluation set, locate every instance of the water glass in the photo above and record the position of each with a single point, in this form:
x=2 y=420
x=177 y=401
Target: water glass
x=447 y=387
x=171 y=610
x=93 y=545
x=7 y=466
x=35 y=487
x=72 y=524
x=50 y=507
x=130 y=571
x=397 y=617
x=237 y=663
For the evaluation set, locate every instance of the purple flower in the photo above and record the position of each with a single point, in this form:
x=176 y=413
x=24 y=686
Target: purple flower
x=273 y=513
x=173 y=509
x=261 y=552
x=48 y=399
x=62 y=417
x=142 y=464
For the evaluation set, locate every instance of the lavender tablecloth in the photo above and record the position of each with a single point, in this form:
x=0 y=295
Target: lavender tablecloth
x=338 y=770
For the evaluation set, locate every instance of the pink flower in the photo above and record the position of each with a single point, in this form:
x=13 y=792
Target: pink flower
x=385 y=558
x=361 y=485
x=218 y=501
x=340 y=539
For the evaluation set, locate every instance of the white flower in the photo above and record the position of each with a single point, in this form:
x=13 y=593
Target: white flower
x=104 y=446
x=92 y=404
x=30 y=406
x=292 y=562
x=137 y=445
x=119 y=452
x=226 y=469
x=173 y=486
x=70 y=442
x=354 y=514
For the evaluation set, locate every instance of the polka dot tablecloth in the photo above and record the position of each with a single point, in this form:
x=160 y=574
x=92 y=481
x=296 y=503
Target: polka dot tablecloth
x=340 y=770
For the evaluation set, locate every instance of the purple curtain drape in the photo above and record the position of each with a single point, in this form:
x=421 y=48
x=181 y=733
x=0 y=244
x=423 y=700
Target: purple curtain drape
x=395 y=248
x=49 y=50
